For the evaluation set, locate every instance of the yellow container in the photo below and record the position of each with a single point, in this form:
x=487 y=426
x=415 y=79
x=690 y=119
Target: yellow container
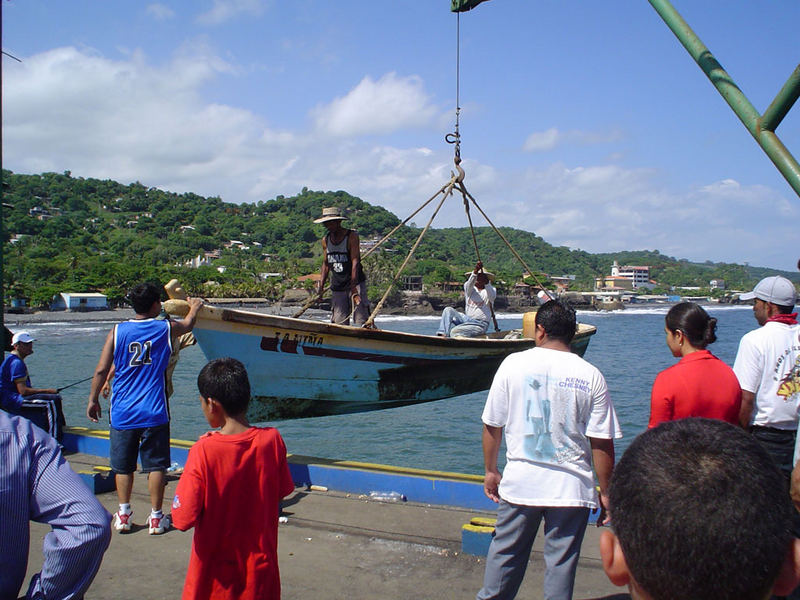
x=529 y=324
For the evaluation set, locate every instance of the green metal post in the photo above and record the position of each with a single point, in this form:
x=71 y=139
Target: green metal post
x=782 y=103
x=760 y=127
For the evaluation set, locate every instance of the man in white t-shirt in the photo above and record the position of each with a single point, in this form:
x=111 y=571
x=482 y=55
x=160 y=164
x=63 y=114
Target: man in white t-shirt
x=768 y=368
x=558 y=420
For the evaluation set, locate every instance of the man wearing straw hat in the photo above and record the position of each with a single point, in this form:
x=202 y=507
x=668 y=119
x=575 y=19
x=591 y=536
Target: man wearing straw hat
x=479 y=295
x=341 y=257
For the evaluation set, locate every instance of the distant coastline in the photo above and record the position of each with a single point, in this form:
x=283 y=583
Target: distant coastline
x=12 y=320
x=15 y=320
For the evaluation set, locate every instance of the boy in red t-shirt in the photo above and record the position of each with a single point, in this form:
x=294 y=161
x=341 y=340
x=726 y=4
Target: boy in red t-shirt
x=230 y=492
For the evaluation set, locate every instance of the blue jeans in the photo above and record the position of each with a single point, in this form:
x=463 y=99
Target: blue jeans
x=510 y=550
x=457 y=324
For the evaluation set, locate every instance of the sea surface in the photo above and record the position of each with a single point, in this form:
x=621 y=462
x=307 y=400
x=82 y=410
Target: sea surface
x=629 y=348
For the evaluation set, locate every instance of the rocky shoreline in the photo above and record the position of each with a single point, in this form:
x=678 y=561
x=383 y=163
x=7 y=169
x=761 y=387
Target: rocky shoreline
x=418 y=307
x=411 y=305
x=115 y=315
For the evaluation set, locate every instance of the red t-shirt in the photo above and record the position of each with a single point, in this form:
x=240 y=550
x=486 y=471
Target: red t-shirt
x=699 y=385
x=230 y=492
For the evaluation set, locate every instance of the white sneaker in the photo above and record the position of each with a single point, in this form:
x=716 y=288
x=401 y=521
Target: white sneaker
x=159 y=525
x=122 y=522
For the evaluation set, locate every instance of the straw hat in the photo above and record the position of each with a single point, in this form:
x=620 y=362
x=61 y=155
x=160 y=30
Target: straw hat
x=332 y=213
x=488 y=274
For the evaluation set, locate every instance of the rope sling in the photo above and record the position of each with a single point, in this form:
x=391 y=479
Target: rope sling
x=456 y=182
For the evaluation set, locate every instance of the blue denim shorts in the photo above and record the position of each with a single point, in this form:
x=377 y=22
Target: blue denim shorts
x=151 y=443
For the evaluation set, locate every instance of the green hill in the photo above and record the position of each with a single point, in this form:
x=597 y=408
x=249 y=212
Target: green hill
x=64 y=233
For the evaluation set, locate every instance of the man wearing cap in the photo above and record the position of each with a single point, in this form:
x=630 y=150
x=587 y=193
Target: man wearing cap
x=479 y=295
x=41 y=405
x=767 y=366
x=341 y=257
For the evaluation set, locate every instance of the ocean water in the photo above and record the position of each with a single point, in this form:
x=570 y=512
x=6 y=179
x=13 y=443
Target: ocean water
x=629 y=349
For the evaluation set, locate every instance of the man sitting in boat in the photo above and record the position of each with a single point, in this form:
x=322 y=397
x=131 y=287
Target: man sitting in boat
x=479 y=295
x=341 y=256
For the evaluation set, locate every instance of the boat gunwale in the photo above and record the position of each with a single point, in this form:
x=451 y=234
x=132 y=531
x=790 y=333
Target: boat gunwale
x=229 y=315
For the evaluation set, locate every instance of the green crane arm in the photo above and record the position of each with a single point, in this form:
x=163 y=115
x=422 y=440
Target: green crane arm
x=761 y=126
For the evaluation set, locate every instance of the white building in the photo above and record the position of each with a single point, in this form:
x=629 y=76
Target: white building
x=639 y=276
x=79 y=302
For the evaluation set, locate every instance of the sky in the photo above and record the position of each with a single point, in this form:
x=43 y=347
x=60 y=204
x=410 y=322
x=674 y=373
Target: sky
x=584 y=122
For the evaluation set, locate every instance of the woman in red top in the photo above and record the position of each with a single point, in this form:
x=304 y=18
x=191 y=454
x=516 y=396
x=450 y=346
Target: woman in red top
x=700 y=384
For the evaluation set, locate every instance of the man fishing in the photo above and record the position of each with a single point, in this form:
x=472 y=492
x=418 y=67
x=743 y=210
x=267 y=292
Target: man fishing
x=41 y=405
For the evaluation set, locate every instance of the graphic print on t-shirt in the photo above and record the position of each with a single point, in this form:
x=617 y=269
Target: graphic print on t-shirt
x=553 y=434
x=790 y=385
x=336 y=261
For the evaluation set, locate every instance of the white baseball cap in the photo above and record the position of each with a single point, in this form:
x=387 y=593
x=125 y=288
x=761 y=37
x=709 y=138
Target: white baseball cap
x=22 y=336
x=775 y=289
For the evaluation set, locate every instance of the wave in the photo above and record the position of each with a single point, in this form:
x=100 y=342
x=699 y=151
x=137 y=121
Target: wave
x=659 y=310
x=60 y=328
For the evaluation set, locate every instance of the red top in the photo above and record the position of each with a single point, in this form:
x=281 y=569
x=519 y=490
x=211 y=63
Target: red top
x=230 y=492
x=699 y=385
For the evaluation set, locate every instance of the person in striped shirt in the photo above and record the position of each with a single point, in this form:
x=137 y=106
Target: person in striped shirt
x=37 y=484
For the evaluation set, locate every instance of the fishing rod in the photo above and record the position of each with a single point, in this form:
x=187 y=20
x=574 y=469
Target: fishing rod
x=71 y=384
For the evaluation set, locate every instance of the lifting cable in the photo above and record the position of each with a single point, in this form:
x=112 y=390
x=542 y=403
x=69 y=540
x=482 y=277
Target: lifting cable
x=370 y=322
x=464 y=191
x=446 y=189
x=456 y=182
x=477 y=252
x=455 y=138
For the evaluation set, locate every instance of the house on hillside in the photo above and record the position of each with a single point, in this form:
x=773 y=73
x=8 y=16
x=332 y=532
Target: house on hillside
x=412 y=283
x=562 y=283
x=203 y=260
x=314 y=278
x=521 y=290
x=79 y=302
x=451 y=286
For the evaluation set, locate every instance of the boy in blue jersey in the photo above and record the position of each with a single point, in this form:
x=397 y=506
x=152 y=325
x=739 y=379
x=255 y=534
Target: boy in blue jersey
x=139 y=350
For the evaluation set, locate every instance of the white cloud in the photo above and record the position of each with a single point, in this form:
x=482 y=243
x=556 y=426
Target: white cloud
x=389 y=104
x=225 y=10
x=160 y=12
x=541 y=141
x=609 y=208
x=128 y=120
x=72 y=110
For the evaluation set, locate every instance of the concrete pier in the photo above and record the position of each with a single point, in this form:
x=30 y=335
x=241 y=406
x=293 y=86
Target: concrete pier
x=334 y=545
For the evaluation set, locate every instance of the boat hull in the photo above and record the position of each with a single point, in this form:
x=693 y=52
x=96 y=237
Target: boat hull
x=302 y=368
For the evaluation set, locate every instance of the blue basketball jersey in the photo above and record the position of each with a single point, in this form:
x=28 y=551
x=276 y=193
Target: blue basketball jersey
x=138 y=394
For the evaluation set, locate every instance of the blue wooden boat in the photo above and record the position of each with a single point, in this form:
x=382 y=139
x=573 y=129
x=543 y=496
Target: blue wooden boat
x=305 y=368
